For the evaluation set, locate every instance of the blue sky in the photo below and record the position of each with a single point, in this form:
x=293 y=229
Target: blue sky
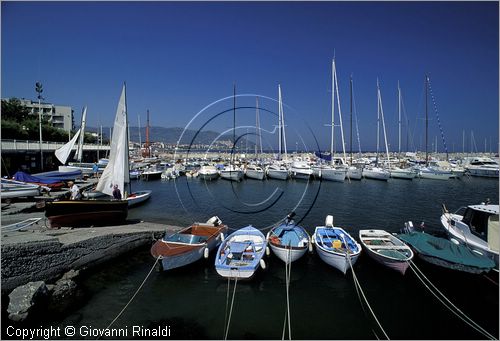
x=178 y=57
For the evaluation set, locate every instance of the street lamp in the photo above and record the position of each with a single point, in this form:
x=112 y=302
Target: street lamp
x=39 y=90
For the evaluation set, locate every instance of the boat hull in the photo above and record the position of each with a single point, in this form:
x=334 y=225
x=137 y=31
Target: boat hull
x=402 y=174
x=208 y=176
x=376 y=174
x=151 y=175
x=232 y=175
x=175 y=254
x=338 y=257
x=301 y=174
x=354 y=173
x=333 y=174
x=288 y=255
x=84 y=213
x=483 y=172
x=277 y=174
x=139 y=197
x=253 y=174
x=338 y=261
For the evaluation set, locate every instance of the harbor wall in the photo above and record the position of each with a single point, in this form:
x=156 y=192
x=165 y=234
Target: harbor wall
x=41 y=255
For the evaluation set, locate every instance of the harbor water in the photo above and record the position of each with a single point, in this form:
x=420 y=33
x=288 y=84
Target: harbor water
x=324 y=303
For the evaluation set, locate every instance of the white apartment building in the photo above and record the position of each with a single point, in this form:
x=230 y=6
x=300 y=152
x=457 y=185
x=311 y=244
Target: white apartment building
x=59 y=116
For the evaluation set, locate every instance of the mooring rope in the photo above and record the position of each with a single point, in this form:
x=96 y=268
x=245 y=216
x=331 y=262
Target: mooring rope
x=356 y=283
x=231 y=309
x=459 y=313
x=135 y=294
x=288 y=267
x=227 y=304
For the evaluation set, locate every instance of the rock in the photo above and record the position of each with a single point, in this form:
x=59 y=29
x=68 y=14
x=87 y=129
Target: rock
x=64 y=295
x=23 y=298
x=71 y=274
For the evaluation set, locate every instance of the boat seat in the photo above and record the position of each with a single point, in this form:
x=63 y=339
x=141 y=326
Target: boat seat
x=375 y=247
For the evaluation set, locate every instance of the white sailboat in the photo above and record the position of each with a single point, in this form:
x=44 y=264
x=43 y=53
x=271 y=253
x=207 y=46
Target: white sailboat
x=278 y=170
x=331 y=172
x=376 y=172
x=398 y=172
x=116 y=172
x=431 y=172
x=255 y=171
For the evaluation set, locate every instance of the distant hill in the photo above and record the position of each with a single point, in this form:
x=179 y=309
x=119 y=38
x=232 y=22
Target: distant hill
x=171 y=135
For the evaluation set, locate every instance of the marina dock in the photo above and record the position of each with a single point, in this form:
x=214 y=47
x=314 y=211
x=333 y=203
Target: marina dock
x=40 y=253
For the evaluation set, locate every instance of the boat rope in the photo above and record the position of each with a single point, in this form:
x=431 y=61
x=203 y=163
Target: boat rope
x=227 y=304
x=231 y=309
x=288 y=267
x=358 y=285
x=135 y=294
x=448 y=304
x=489 y=279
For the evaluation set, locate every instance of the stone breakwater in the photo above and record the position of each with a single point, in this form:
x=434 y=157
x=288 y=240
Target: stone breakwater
x=46 y=254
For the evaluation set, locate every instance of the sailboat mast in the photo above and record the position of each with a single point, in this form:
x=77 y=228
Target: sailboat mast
x=279 y=122
x=399 y=119
x=332 y=132
x=148 y=152
x=426 y=121
x=378 y=122
x=340 y=116
x=350 y=99
x=127 y=165
x=139 y=122
x=283 y=126
x=234 y=124
x=385 y=131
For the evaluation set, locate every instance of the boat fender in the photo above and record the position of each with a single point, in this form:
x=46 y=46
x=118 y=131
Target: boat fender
x=262 y=264
x=268 y=251
x=206 y=252
x=311 y=247
x=222 y=237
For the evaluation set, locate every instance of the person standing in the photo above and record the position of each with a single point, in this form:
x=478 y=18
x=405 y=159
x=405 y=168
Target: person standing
x=95 y=169
x=116 y=193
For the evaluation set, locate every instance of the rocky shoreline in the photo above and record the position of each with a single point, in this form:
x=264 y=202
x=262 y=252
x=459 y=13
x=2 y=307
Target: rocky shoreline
x=40 y=266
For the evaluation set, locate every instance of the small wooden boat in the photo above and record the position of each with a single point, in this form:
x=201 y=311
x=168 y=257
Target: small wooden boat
x=241 y=253
x=335 y=246
x=288 y=241
x=442 y=252
x=386 y=249
x=84 y=213
x=190 y=244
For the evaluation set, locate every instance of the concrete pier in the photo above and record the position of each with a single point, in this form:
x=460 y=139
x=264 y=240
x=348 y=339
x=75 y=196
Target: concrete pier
x=44 y=254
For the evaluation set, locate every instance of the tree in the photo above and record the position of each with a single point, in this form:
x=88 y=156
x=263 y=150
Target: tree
x=13 y=110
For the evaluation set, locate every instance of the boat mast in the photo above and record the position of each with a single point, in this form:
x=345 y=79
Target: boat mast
x=340 y=112
x=385 y=132
x=426 y=121
x=148 y=151
x=399 y=120
x=332 y=134
x=234 y=124
x=139 y=122
x=279 y=122
x=257 y=128
x=350 y=97
x=127 y=165
x=378 y=123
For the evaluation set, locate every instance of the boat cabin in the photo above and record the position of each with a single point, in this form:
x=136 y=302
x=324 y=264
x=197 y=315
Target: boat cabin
x=482 y=221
